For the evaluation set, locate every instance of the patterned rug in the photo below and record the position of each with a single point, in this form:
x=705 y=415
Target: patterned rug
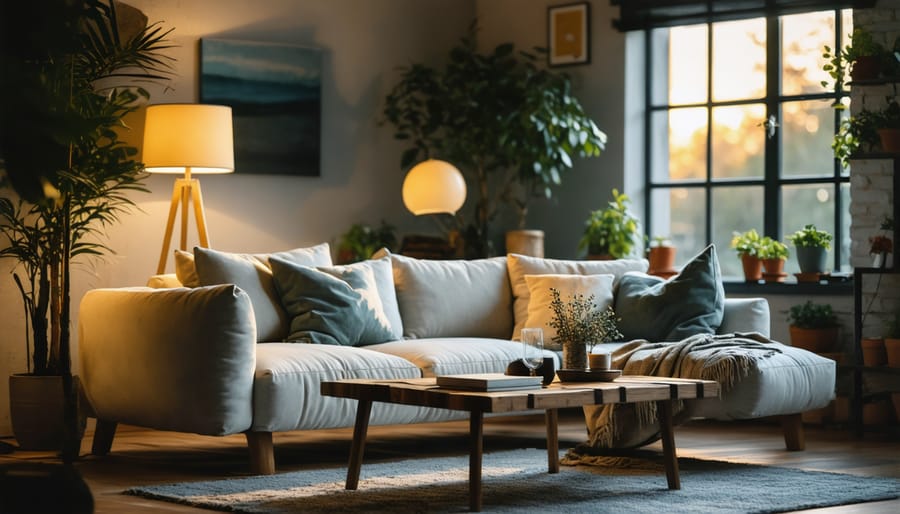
x=517 y=481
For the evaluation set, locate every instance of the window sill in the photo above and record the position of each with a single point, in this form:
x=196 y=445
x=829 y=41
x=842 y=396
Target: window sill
x=831 y=288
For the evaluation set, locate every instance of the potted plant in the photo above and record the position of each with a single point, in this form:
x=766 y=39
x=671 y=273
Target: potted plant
x=773 y=253
x=580 y=324
x=747 y=246
x=856 y=133
x=72 y=173
x=611 y=232
x=661 y=256
x=512 y=127
x=863 y=54
x=812 y=247
x=360 y=241
x=813 y=327
x=888 y=127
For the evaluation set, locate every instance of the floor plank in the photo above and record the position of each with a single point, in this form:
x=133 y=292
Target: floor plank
x=141 y=456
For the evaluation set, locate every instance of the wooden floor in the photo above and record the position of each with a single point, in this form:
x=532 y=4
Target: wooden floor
x=141 y=457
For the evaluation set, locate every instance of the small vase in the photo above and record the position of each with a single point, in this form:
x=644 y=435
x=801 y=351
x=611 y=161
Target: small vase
x=574 y=356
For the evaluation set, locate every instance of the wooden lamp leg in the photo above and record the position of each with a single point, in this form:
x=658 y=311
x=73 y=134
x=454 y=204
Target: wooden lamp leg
x=186 y=190
x=170 y=226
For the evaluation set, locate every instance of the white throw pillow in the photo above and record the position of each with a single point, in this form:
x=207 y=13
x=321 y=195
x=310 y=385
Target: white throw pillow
x=521 y=265
x=539 y=311
x=252 y=273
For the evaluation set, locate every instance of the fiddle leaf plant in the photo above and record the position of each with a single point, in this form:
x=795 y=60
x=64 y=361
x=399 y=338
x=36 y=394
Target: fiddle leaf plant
x=512 y=127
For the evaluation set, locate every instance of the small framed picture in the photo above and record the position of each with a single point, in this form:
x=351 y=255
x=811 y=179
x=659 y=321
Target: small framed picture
x=568 y=34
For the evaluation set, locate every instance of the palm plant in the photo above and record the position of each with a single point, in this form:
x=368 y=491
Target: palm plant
x=67 y=162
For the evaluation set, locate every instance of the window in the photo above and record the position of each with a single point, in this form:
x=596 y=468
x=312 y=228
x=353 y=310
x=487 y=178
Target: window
x=739 y=131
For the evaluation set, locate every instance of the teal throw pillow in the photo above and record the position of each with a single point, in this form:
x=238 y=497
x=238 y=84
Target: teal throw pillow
x=338 y=305
x=692 y=302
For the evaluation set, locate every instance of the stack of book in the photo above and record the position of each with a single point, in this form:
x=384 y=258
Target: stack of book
x=489 y=382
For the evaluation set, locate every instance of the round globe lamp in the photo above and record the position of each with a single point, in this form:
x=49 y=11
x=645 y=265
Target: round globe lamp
x=434 y=187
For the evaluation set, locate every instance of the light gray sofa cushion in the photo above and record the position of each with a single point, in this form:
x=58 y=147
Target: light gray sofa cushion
x=521 y=265
x=447 y=298
x=251 y=272
x=456 y=355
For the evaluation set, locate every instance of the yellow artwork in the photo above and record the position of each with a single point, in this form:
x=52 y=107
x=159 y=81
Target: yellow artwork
x=568 y=34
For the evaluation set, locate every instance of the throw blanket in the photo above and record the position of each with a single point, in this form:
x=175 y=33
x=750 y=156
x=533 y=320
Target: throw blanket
x=723 y=358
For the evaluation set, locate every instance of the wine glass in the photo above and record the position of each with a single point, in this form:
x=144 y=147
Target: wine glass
x=532 y=349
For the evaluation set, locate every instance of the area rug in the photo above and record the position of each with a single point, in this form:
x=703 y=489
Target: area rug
x=517 y=481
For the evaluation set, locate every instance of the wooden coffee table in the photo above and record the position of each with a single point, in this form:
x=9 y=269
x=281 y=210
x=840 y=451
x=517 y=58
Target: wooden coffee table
x=425 y=393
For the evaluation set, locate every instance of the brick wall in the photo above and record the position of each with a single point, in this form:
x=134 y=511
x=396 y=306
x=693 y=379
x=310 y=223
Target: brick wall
x=871 y=180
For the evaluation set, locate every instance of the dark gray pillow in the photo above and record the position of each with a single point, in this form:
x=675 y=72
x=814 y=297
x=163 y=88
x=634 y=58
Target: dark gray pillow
x=331 y=306
x=692 y=302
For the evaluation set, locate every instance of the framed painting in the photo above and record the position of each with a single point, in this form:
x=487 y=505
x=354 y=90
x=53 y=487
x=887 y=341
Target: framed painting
x=568 y=34
x=275 y=94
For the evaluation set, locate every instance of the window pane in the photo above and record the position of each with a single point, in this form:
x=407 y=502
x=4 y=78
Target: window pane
x=802 y=39
x=687 y=64
x=685 y=155
x=735 y=209
x=680 y=213
x=739 y=59
x=738 y=142
x=805 y=204
x=807 y=131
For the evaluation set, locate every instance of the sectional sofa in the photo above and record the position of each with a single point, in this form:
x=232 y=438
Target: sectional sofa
x=239 y=343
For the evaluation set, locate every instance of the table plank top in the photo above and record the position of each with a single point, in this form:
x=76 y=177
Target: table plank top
x=426 y=393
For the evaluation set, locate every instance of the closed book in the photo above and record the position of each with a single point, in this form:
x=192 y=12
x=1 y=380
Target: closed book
x=489 y=382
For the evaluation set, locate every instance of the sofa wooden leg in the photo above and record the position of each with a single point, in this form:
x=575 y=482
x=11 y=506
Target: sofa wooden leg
x=262 y=453
x=792 y=425
x=104 y=432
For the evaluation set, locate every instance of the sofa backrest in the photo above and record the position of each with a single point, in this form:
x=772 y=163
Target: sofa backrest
x=452 y=298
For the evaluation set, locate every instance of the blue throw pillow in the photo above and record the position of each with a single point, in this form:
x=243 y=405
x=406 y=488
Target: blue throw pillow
x=337 y=305
x=692 y=302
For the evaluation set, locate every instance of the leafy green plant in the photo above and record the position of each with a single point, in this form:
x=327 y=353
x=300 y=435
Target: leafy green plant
x=859 y=133
x=66 y=161
x=511 y=126
x=746 y=243
x=862 y=44
x=772 y=249
x=812 y=315
x=361 y=241
x=579 y=321
x=810 y=236
x=611 y=231
x=660 y=241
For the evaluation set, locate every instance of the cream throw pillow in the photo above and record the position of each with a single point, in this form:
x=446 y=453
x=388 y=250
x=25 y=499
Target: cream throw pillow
x=521 y=265
x=539 y=312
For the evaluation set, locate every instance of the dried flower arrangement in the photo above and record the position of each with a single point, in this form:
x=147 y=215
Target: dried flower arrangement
x=580 y=321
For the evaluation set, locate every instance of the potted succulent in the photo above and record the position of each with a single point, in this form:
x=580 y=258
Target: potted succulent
x=661 y=256
x=611 y=232
x=773 y=253
x=72 y=173
x=812 y=247
x=746 y=244
x=360 y=241
x=813 y=327
x=512 y=127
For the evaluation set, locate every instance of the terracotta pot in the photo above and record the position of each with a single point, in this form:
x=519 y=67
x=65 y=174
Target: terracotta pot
x=873 y=351
x=525 y=242
x=752 y=268
x=817 y=340
x=892 y=351
x=865 y=67
x=890 y=139
x=774 y=270
x=662 y=260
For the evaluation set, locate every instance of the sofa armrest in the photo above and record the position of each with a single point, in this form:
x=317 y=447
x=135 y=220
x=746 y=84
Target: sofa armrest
x=746 y=315
x=171 y=359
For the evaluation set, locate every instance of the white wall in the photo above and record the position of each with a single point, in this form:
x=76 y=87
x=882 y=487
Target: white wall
x=363 y=42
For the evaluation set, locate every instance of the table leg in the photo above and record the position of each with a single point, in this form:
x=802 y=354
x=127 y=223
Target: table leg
x=552 y=416
x=358 y=446
x=476 y=435
x=664 y=412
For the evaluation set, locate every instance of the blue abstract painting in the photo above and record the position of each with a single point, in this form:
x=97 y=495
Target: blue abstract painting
x=275 y=93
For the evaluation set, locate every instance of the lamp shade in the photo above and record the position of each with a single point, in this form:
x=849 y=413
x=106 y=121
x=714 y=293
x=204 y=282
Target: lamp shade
x=195 y=136
x=434 y=187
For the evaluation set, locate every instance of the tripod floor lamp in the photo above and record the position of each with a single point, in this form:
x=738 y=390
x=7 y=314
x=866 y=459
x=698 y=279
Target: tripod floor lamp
x=190 y=139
